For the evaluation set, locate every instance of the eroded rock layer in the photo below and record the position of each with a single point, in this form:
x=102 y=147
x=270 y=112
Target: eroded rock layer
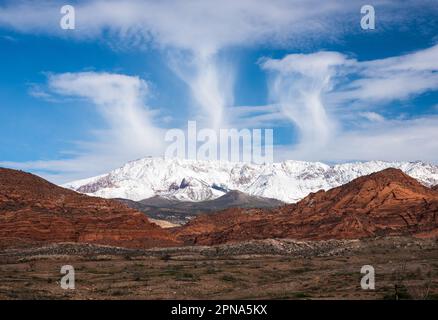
x=34 y=211
x=385 y=203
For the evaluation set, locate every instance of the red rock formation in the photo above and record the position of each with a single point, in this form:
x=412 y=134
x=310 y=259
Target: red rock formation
x=34 y=211
x=384 y=203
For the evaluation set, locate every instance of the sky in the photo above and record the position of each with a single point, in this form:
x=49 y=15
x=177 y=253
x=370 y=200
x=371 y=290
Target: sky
x=78 y=103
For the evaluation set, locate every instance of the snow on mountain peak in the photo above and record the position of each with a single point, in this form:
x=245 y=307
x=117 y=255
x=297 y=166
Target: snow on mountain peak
x=196 y=180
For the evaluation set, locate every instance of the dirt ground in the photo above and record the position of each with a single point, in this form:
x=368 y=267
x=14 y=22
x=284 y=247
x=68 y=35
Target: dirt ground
x=405 y=268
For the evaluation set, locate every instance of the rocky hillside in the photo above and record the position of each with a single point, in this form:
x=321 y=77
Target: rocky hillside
x=34 y=211
x=387 y=203
x=180 y=212
x=380 y=204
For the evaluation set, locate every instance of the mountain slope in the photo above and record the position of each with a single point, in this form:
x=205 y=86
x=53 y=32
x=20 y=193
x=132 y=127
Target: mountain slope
x=34 y=211
x=381 y=204
x=192 y=180
x=180 y=212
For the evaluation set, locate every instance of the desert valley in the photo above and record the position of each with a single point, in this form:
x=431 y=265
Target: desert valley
x=231 y=246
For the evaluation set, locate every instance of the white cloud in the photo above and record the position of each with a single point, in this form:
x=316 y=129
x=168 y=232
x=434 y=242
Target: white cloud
x=205 y=26
x=198 y=25
x=328 y=108
x=372 y=116
x=311 y=90
x=202 y=29
x=392 y=140
x=37 y=91
x=423 y=60
x=394 y=86
x=393 y=78
x=130 y=132
x=298 y=83
x=120 y=100
x=267 y=116
x=407 y=140
x=211 y=84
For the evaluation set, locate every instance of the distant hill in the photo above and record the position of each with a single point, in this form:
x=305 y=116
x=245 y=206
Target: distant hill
x=35 y=212
x=180 y=212
x=386 y=203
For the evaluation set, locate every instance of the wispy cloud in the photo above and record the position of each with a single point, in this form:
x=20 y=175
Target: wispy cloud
x=392 y=140
x=35 y=90
x=298 y=83
x=394 y=78
x=211 y=84
x=8 y=38
x=130 y=130
x=202 y=26
x=267 y=116
x=316 y=93
x=372 y=116
x=203 y=29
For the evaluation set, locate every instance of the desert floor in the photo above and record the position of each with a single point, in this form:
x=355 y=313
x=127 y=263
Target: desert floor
x=269 y=269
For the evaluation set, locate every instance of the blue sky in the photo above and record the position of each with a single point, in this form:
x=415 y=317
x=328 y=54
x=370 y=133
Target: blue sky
x=77 y=103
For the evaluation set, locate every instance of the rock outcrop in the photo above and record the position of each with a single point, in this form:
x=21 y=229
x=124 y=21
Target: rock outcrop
x=34 y=211
x=385 y=203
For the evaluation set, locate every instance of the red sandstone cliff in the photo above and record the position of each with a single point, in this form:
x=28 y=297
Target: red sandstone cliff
x=384 y=203
x=34 y=211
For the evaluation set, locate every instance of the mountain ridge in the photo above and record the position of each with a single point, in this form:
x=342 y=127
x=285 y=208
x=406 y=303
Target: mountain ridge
x=385 y=203
x=34 y=211
x=191 y=180
x=180 y=212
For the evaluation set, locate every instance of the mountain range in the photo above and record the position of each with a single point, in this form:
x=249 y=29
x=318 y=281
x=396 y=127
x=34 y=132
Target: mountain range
x=385 y=203
x=193 y=180
x=34 y=212
x=180 y=212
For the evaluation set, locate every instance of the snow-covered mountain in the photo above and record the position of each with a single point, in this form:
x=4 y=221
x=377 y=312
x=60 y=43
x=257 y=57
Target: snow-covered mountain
x=194 y=180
